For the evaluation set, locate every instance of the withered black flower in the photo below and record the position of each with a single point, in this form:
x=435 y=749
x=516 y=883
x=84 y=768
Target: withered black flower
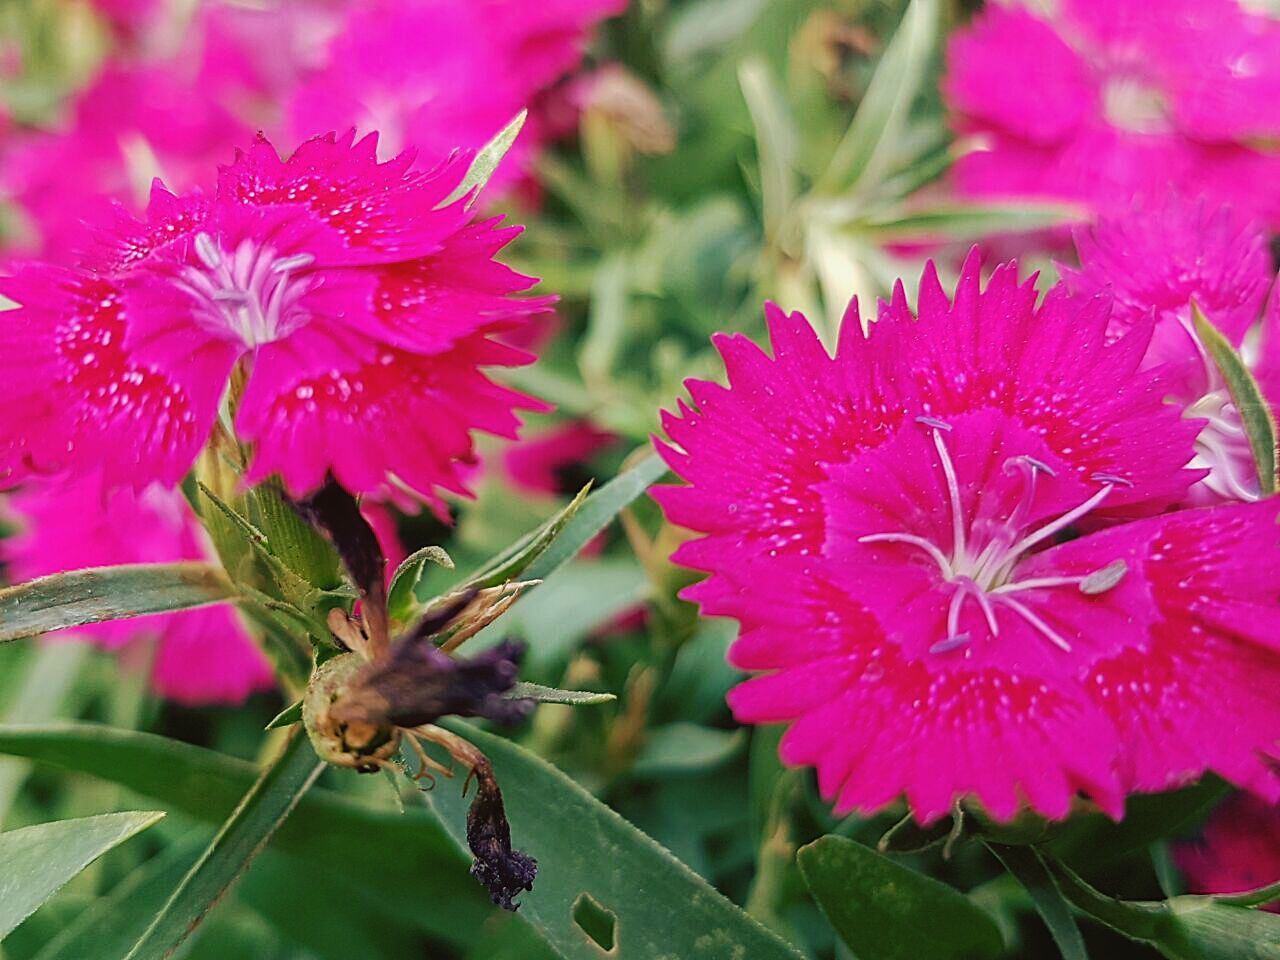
x=420 y=684
x=504 y=872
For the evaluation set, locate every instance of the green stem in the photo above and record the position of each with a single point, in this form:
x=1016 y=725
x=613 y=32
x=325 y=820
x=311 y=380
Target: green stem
x=246 y=832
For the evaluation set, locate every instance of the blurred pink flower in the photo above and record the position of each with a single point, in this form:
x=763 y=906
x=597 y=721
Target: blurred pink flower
x=362 y=306
x=1115 y=99
x=1238 y=851
x=885 y=524
x=1157 y=261
x=537 y=464
x=201 y=656
x=436 y=74
x=130 y=124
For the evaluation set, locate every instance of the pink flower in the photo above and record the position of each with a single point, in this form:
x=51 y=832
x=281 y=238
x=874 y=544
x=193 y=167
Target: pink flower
x=201 y=656
x=360 y=305
x=126 y=121
x=886 y=527
x=1238 y=851
x=538 y=464
x=434 y=74
x=1113 y=100
x=1159 y=261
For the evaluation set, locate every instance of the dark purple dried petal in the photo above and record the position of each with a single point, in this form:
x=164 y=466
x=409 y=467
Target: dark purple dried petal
x=421 y=684
x=504 y=872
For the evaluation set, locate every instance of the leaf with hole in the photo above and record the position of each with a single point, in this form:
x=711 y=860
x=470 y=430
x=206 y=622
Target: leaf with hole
x=96 y=594
x=39 y=859
x=884 y=910
x=594 y=866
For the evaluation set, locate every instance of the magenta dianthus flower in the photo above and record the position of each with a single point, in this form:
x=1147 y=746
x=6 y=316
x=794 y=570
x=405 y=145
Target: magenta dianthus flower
x=1161 y=261
x=886 y=527
x=1111 y=99
x=203 y=655
x=360 y=303
x=434 y=74
x=1238 y=851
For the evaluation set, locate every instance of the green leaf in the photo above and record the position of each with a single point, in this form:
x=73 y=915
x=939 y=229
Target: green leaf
x=108 y=593
x=885 y=911
x=402 y=595
x=1030 y=870
x=1255 y=414
x=1181 y=928
x=597 y=867
x=1253 y=898
x=863 y=155
x=426 y=880
x=574 y=698
x=961 y=221
x=287 y=717
x=244 y=835
x=777 y=145
x=109 y=927
x=487 y=160
x=606 y=321
x=517 y=558
x=595 y=513
x=38 y=860
x=682 y=747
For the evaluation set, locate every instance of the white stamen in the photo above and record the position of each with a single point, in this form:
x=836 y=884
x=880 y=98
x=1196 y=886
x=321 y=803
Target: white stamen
x=1047 y=631
x=208 y=251
x=915 y=541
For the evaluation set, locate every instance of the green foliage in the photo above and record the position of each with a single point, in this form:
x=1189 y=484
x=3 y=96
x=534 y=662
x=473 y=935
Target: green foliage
x=654 y=905
x=107 y=593
x=885 y=911
x=39 y=859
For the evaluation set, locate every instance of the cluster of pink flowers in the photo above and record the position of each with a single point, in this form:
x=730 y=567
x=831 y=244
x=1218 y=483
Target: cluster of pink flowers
x=362 y=305
x=1105 y=101
x=963 y=551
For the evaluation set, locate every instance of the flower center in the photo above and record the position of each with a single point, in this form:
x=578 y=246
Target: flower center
x=249 y=294
x=982 y=562
x=1130 y=104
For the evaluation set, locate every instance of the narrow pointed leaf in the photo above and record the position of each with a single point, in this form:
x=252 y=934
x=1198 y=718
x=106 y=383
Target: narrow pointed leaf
x=487 y=160
x=596 y=513
x=517 y=559
x=777 y=144
x=884 y=910
x=287 y=717
x=244 y=835
x=863 y=155
x=541 y=694
x=589 y=857
x=108 y=593
x=1255 y=414
x=426 y=881
x=402 y=594
x=38 y=860
x=1029 y=869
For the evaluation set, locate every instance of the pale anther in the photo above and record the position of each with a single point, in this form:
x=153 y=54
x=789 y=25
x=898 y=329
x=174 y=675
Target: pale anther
x=1102 y=580
x=934 y=422
x=295 y=262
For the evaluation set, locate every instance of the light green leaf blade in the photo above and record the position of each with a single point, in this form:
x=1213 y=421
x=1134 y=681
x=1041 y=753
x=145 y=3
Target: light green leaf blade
x=589 y=857
x=521 y=555
x=1255 y=413
x=884 y=910
x=107 y=593
x=427 y=879
x=957 y=222
x=596 y=513
x=573 y=698
x=244 y=835
x=1030 y=871
x=487 y=160
x=287 y=717
x=402 y=594
x=777 y=145
x=862 y=157
x=110 y=926
x=38 y=860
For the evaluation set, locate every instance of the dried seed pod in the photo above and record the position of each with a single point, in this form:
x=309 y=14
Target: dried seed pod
x=359 y=740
